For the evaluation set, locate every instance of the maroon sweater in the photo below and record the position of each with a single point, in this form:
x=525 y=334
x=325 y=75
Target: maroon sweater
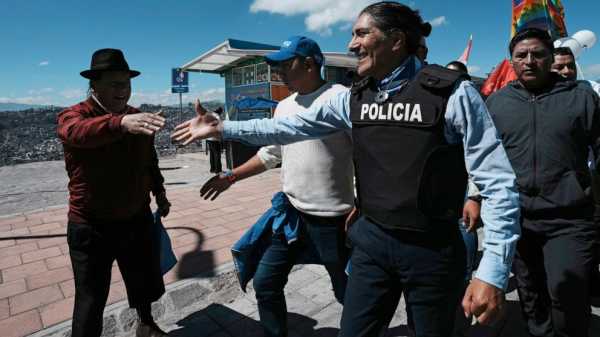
x=110 y=172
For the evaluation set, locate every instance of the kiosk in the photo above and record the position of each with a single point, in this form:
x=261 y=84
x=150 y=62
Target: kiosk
x=248 y=76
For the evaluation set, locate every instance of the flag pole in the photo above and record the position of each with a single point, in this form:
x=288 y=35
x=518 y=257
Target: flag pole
x=579 y=70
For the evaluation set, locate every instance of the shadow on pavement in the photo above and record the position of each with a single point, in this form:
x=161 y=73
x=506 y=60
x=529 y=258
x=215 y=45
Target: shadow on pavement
x=217 y=319
x=170 y=168
x=306 y=326
x=32 y=237
x=195 y=262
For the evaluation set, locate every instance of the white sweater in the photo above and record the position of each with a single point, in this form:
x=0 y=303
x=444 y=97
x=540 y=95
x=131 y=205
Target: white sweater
x=317 y=175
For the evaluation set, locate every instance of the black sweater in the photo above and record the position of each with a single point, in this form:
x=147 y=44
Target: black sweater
x=547 y=138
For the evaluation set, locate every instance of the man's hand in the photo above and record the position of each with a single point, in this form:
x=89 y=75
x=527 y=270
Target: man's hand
x=471 y=213
x=164 y=206
x=484 y=301
x=143 y=123
x=215 y=186
x=351 y=218
x=206 y=124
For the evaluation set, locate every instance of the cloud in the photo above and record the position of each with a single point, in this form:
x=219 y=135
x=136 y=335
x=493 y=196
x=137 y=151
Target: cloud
x=73 y=94
x=474 y=69
x=44 y=63
x=43 y=96
x=321 y=15
x=215 y=94
x=35 y=92
x=167 y=98
x=591 y=71
x=346 y=27
x=67 y=97
x=439 y=21
x=33 y=99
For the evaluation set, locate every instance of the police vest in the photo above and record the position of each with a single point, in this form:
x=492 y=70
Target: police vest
x=408 y=176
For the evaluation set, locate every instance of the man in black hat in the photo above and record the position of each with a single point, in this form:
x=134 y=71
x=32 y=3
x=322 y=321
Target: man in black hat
x=112 y=167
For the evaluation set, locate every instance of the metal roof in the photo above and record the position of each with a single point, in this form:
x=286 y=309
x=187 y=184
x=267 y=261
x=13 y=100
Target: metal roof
x=232 y=52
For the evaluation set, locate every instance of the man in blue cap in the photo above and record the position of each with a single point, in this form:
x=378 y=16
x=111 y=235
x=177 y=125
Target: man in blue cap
x=317 y=184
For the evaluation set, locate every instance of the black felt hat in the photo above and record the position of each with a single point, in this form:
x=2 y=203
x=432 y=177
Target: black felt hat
x=108 y=60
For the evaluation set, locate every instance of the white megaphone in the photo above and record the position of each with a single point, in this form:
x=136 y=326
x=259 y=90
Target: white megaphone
x=583 y=39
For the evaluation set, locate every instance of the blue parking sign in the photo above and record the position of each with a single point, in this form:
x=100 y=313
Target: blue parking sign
x=179 y=81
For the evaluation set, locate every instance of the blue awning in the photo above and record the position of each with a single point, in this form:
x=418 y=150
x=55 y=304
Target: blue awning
x=226 y=55
x=250 y=103
x=231 y=52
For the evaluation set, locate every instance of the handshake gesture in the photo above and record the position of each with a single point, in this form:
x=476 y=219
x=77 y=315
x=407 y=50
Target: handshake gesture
x=205 y=125
x=143 y=123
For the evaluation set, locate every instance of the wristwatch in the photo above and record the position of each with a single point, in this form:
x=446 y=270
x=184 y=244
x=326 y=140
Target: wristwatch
x=230 y=176
x=476 y=197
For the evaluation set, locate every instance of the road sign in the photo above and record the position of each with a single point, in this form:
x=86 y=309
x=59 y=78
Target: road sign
x=179 y=81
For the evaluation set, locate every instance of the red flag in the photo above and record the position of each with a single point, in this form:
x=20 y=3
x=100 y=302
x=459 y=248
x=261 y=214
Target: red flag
x=464 y=58
x=500 y=77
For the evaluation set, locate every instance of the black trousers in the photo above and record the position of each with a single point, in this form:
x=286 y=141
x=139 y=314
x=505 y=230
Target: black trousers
x=93 y=249
x=428 y=268
x=553 y=267
x=214 y=148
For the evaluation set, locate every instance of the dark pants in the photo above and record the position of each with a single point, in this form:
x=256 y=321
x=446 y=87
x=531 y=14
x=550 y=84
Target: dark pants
x=595 y=286
x=321 y=240
x=93 y=249
x=214 y=149
x=428 y=268
x=553 y=266
x=471 y=241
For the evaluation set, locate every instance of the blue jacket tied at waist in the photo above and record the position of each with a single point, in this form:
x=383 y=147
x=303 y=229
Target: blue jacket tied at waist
x=249 y=249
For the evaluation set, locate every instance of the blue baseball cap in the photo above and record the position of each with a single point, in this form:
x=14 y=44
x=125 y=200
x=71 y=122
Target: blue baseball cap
x=296 y=46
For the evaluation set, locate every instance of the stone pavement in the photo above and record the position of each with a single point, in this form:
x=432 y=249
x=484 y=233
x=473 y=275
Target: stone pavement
x=36 y=280
x=203 y=297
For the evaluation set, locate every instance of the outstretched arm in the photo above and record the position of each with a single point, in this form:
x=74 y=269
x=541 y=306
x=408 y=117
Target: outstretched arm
x=206 y=124
x=317 y=122
x=77 y=130
x=266 y=158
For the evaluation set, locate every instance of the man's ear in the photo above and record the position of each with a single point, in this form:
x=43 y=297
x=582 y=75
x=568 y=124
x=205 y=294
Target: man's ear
x=399 y=40
x=93 y=85
x=309 y=63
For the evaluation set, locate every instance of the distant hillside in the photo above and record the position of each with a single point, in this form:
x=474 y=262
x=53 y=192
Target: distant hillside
x=30 y=135
x=18 y=106
x=6 y=107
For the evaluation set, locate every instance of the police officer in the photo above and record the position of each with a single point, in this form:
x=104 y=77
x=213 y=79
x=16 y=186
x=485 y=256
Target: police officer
x=413 y=129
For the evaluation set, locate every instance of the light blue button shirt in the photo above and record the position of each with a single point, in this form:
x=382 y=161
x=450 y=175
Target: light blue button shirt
x=467 y=120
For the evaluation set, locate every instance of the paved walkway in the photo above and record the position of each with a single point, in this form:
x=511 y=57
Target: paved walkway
x=36 y=279
x=203 y=298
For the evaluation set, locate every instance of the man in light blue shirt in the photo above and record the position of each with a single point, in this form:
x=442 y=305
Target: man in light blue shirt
x=422 y=256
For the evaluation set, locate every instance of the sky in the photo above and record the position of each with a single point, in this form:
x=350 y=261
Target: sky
x=44 y=44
